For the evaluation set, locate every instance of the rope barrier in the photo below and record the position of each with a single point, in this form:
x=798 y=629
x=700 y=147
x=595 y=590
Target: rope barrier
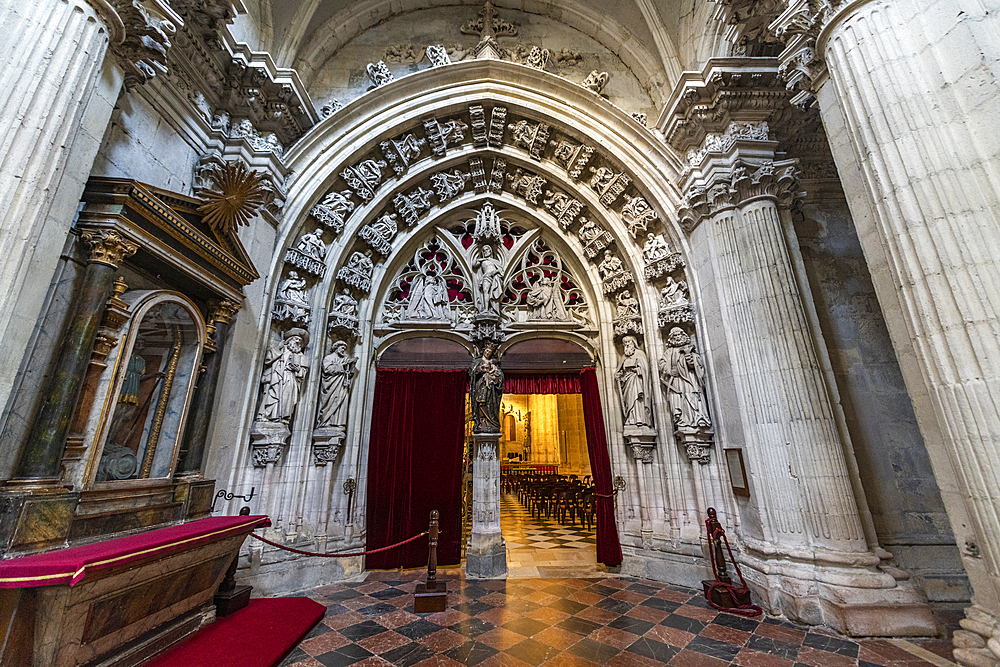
x=743 y=610
x=359 y=553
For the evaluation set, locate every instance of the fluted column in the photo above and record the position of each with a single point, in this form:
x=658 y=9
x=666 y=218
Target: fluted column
x=43 y=448
x=910 y=107
x=811 y=527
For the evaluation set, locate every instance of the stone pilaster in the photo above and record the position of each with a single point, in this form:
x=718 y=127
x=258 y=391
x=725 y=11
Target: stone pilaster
x=486 y=552
x=813 y=562
x=40 y=458
x=910 y=106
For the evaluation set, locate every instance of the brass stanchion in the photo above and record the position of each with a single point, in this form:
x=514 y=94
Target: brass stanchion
x=432 y=595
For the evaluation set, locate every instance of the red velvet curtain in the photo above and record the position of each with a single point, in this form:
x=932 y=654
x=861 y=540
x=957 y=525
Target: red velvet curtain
x=541 y=383
x=415 y=464
x=609 y=549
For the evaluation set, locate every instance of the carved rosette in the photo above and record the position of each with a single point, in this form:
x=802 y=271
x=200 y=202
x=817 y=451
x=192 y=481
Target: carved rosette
x=107 y=247
x=265 y=454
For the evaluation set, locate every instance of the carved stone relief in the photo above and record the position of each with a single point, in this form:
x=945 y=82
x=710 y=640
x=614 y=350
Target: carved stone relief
x=595 y=81
x=333 y=211
x=683 y=376
x=674 y=305
x=379 y=74
x=364 y=178
x=543 y=290
x=637 y=214
x=573 y=157
x=562 y=207
x=595 y=238
x=449 y=185
x=634 y=381
x=343 y=316
x=426 y=287
x=614 y=275
x=608 y=184
x=438 y=55
x=412 y=205
x=309 y=254
x=380 y=233
x=358 y=271
x=338 y=372
x=291 y=301
x=400 y=153
x=285 y=366
x=660 y=259
x=627 y=317
x=530 y=136
x=440 y=135
x=526 y=185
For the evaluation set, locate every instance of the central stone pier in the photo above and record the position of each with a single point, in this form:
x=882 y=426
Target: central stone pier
x=486 y=552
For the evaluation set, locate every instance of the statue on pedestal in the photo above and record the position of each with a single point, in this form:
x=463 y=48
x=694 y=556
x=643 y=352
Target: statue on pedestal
x=335 y=386
x=683 y=375
x=634 y=385
x=486 y=382
x=284 y=368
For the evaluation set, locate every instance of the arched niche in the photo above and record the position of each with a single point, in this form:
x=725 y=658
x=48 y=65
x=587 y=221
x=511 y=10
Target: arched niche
x=144 y=394
x=552 y=355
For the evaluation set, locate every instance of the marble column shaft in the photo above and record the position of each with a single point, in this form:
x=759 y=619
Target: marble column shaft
x=43 y=448
x=51 y=57
x=793 y=445
x=910 y=108
x=196 y=433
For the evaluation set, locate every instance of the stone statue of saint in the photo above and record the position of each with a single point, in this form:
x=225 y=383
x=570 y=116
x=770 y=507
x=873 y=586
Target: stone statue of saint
x=674 y=294
x=489 y=280
x=635 y=385
x=284 y=368
x=335 y=386
x=428 y=296
x=293 y=289
x=655 y=248
x=486 y=383
x=545 y=300
x=311 y=245
x=683 y=375
x=610 y=265
x=627 y=305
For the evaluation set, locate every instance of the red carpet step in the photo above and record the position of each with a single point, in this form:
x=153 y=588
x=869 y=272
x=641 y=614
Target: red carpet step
x=257 y=636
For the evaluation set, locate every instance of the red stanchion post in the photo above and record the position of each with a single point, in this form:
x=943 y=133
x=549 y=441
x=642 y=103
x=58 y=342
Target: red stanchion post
x=432 y=595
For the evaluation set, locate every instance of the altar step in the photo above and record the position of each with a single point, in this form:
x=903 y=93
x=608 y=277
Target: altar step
x=257 y=636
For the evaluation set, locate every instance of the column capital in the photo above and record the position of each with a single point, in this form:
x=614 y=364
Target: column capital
x=223 y=311
x=139 y=35
x=107 y=246
x=800 y=26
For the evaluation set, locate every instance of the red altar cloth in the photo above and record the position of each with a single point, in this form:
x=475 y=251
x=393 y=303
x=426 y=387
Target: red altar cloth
x=69 y=566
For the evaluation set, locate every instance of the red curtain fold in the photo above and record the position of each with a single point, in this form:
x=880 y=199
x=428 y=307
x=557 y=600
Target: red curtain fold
x=609 y=549
x=541 y=383
x=415 y=464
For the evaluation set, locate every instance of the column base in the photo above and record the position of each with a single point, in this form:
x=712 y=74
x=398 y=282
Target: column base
x=856 y=601
x=486 y=556
x=977 y=644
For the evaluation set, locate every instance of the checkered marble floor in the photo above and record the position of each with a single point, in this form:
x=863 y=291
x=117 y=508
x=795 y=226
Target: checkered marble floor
x=520 y=529
x=620 y=621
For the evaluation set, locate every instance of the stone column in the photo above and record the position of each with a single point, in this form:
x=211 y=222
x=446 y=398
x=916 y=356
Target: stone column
x=812 y=530
x=486 y=552
x=57 y=101
x=39 y=460
x=195 y=435
x=909 y=97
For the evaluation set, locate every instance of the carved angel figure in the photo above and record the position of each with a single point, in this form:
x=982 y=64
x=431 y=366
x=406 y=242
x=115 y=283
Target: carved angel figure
x=284 y=369
x=428 y=296
x=293 y=289
x=683 y=375
x=335 y=386
x=546 y=301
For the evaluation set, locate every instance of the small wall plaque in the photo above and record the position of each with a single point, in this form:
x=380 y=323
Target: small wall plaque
x=737 y=472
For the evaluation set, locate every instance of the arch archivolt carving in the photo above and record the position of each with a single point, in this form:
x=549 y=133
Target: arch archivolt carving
x=397 y=215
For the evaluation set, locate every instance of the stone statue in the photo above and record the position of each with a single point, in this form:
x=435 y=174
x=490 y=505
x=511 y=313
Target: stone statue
x=627 y=305
x=345 y=304
x=655 y=248
x=486 y=385
x=674 y=295
x=428 y=296
x=635 y=385
x=335 y=386
x=489 y=280
x=610 y=265
x=683 y=375
x=545 y=300
x=311 y=245
x=284 y=368
x=293 y=289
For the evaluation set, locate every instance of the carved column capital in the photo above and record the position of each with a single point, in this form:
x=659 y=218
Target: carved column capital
x=107 y=246
x=140 y=35
x=223 y=311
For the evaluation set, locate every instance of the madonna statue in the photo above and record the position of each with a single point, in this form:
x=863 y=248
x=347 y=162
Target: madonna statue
x=486 y=383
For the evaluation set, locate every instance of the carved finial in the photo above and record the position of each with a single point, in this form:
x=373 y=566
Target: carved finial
x=118 y=288
x=241 y=193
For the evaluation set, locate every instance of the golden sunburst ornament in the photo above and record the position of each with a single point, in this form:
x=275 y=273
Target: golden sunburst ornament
x=241 y=193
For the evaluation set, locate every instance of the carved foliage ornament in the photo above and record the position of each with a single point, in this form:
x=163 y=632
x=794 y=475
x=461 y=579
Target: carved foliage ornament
x=107 y=246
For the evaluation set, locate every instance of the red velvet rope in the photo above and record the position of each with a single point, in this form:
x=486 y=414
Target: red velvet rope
x=743 y=610
x=359 y=553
